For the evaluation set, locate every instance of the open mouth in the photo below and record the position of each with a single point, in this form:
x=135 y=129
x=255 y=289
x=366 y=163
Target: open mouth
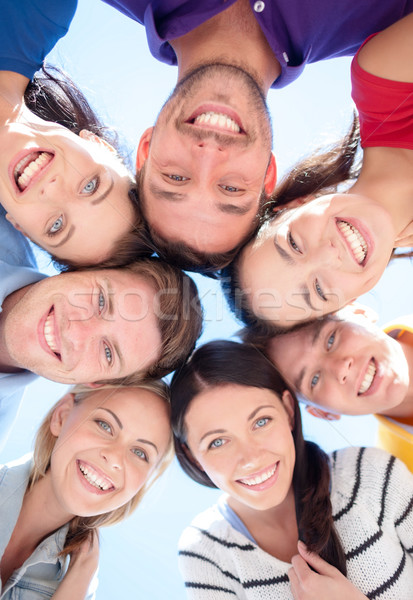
x=221 y=119
x=94 y=478
x=355 y=241
x=30 y=167
x=368 y=377
x=260 y=477
x=50 y=335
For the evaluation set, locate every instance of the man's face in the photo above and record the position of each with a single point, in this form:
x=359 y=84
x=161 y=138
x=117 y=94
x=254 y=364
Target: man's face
x=207 y=161
x=85 y=327
x=345 y=367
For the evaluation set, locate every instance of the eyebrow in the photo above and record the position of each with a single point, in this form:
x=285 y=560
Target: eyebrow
x=162 y=194
x=69 y=234
x=106 y=193
x=142 y=441
x=111 y=311
x=235 y=209
x=316 y=334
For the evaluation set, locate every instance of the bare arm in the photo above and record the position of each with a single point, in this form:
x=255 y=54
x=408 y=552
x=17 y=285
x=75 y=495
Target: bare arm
x=390 y=53
x=12 y=87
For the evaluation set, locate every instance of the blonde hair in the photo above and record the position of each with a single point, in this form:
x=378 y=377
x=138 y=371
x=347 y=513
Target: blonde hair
x=83 y=528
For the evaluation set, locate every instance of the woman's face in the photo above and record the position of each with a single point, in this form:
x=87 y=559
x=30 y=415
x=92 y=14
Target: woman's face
x=241 y=437
x=68 y=193
x=107 y=447
x=316 y=258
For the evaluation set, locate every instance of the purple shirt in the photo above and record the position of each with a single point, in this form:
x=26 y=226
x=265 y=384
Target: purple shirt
x=298 y=31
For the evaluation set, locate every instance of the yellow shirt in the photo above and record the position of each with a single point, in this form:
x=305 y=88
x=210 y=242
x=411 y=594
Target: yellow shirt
x=394 y=434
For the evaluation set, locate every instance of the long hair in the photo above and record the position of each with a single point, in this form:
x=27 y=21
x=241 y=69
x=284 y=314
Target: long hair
x=84 y=528
x=224 y=362
x=53 y=96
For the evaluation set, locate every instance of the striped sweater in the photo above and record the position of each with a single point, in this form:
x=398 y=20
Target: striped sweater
x=372 y=499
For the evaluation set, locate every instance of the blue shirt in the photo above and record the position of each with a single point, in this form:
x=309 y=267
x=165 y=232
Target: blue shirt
x=17 y=269
x=298 y=31
x=41 y=574
x=28 y=31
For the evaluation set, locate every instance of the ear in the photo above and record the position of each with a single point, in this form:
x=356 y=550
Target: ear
x=321 y=414
x=270 y=176
x=143 y=148
x=190 y=456
x=289 y=404
x=405 y=237
x=85 y=134
x=13 y=221
x=60 y=413
x=94 y=386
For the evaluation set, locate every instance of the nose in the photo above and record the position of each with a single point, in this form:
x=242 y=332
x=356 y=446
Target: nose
x=82 y=330
x=249 y=456
x=325 y=254
x=52 y=188
x=342 y=368
x=112 y=456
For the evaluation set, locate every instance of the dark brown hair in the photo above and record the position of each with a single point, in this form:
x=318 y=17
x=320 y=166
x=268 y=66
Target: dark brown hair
x=224 y=362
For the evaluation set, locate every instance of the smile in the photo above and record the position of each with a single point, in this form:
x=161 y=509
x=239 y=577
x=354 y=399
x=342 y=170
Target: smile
x=368 y=377
x=50 y=335
x=95 y=479
x=355 y=241
x=29 y=168
x=261 y=477
x=218 y=120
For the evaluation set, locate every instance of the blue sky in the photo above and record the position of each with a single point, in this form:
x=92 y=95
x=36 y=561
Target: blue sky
x=106 y=54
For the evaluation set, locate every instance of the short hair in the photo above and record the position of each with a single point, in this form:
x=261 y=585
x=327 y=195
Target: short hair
x=83 y=528
x=179 y=314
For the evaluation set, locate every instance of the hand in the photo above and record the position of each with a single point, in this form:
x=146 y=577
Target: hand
x=325 y=584
x=86 y=557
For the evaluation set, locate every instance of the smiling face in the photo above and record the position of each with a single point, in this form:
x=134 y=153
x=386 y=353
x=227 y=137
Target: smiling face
x=206 y=161
x=314 y=259
x=108 y=446
x=67 y=193
x=346 y=367
x=241 y=437
x=85 y=327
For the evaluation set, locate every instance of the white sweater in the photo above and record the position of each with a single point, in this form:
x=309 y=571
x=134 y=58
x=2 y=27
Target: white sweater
x=372 y=499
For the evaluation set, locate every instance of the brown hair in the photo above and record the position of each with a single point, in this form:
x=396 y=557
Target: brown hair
x=83 y=528
x=179 y=313
x=224 y=362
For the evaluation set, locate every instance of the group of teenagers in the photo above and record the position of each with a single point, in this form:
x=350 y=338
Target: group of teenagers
x=293 y=257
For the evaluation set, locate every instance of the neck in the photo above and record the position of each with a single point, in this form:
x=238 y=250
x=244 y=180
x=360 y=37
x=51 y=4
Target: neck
x=405 y=408
x=39 y=500
x=386 y=178
x=232 y=37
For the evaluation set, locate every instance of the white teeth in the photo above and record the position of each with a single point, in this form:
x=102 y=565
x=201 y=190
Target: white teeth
x=259 y=478
x=94 y=479
x=368 y=377
x=49 y=333
x=219 y=119
x=23 y=178
x=355 y=240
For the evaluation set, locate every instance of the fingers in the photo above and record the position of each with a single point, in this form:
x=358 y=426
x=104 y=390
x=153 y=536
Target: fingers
x=315 y=561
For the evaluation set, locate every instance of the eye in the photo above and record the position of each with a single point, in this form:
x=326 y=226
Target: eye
x=217 y=443
x=262 y=422
x=331 y=340
x=104 y=425
x=178 y=178
x=108 y=354
x=91 y=186
x=319 y=291
x=315 y=380
x=56 y=227
x=230 y=188
x=292 y=243
x=101 y=302
x=140 y=454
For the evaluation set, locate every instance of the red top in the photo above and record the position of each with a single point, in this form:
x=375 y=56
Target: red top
x=385 y=109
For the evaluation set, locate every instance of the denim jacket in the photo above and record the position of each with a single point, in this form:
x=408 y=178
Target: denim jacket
x=41 y=574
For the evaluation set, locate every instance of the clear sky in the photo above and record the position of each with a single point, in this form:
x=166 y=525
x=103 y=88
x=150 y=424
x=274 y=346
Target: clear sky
x=106 y=54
